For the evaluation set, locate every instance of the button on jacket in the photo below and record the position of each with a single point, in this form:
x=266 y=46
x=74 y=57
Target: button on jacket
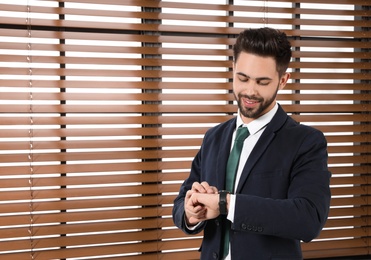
x=282 y=197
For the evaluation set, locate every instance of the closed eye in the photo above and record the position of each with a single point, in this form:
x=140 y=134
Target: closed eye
x=263 y=82
x=243 y=79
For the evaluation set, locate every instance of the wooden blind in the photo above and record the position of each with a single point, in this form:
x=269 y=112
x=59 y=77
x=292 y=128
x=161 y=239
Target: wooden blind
x=104 y=103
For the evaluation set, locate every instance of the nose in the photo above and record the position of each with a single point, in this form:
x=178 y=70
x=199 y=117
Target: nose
x=250 y=88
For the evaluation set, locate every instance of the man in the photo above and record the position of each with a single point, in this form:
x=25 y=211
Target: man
x=280 y=195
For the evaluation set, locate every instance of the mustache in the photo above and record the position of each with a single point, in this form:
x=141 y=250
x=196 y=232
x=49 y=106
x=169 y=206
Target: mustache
x=250 y=97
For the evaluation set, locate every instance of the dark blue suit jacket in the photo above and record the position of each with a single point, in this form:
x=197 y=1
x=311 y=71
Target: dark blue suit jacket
x=283 y=195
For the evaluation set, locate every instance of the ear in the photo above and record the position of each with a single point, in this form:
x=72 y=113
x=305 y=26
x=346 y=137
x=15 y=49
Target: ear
x=283 y=80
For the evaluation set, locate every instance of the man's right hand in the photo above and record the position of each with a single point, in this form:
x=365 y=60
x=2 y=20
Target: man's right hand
x=196 y=212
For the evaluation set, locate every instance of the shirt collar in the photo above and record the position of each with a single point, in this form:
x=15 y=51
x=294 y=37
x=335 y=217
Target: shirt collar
x=258 y=123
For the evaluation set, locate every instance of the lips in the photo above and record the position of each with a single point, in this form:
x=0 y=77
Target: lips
x=251 y=103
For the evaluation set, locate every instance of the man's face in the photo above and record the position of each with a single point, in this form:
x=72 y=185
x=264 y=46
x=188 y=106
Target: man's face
x=255 y=85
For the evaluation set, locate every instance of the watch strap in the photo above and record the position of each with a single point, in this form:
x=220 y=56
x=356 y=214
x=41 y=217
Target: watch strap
x=223 y=202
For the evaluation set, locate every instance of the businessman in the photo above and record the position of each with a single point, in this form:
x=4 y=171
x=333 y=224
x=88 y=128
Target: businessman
x=259 y=185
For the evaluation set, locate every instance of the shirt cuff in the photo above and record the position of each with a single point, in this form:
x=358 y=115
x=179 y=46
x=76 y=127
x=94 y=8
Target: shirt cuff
x=232 y=205
x=192 y=227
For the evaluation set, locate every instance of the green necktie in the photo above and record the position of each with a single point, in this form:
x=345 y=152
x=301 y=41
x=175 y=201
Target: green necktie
x=232 y=165
x=234 y=158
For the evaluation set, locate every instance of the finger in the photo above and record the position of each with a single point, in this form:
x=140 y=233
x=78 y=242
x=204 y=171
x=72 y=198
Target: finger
x=194 y=200
x=205 y=185
x=209 y=189
x=201 y=214
x=212 y=190
x=195 y=212
x=198 y=218
x=196 y=186
x=195 y=218
x=189 y=194
x=192 y=204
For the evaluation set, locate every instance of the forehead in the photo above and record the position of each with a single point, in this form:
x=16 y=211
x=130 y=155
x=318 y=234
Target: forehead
x=255 y=66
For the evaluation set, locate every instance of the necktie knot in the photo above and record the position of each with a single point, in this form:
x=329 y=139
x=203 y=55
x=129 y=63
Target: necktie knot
x=242 y=134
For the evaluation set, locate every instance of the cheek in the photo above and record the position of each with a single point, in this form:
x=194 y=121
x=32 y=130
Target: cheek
x=236 y=85
x=268 y=91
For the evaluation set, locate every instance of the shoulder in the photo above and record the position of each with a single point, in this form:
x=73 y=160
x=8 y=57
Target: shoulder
x=221 y=129
x=302 y=129
x=219 y=134
x=282 y=121
x=291 y=132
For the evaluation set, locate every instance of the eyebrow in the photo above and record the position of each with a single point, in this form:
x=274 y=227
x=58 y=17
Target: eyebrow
x=257 y=79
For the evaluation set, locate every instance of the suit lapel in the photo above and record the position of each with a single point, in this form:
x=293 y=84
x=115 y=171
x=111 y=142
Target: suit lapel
x=265 y=139
x=223 y=153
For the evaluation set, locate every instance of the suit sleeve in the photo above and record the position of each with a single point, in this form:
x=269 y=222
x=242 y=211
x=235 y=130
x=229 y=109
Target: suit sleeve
x=303 y=212
x=178 y=209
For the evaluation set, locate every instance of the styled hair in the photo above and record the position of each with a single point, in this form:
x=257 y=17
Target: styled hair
x=265 y=42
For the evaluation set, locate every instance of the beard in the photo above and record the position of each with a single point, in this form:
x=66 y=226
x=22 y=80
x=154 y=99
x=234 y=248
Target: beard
x=258 y=111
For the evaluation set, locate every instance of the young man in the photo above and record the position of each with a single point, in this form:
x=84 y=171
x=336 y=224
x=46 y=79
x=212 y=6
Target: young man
x=280 y=195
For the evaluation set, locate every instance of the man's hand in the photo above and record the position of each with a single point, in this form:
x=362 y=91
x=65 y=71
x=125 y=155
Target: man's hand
x=196 y=211
x=209 y=202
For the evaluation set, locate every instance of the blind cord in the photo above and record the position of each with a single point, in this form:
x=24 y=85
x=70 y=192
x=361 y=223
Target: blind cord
x=30 y=132
x=265 y=15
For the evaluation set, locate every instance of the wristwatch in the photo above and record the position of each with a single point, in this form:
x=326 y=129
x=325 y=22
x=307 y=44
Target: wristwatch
x=223 y=202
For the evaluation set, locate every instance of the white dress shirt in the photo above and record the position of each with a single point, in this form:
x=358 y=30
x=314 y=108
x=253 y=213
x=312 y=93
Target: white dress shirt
x=256 y=128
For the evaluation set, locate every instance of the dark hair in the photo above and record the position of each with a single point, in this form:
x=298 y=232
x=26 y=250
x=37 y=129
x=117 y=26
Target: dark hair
x=265 y=42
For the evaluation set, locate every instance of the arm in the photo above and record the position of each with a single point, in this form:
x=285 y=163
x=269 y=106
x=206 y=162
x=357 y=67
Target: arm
x=188 y=214
x=302 y=213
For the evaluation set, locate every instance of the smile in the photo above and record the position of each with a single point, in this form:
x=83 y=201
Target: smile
x=249 y=102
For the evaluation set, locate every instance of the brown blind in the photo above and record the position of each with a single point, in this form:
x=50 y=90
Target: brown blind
x=103 y=105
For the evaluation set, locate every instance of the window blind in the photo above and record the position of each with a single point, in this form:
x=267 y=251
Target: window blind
x=103 y=105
